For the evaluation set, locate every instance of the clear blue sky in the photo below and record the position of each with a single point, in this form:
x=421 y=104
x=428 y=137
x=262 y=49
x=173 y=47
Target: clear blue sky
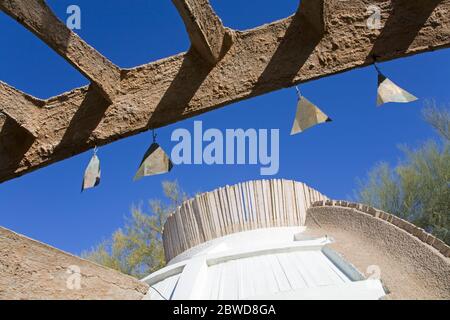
x=47 y=204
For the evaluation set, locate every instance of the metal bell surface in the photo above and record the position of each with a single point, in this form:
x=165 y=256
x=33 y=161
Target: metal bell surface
x=388 y=91
x=92 y=174
x=308 y=115
x=155 y=162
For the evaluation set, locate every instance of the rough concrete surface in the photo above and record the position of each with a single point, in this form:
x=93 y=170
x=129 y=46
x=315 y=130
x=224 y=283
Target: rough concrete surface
x=261 y=60
x=206 y=31
x=32 y=270
x=410 y=268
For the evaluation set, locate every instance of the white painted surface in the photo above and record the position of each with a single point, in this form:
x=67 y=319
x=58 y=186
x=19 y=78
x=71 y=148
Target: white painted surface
x=270 y=274
x=361 y=290
x=251 y=240
x=164 y=289
x=261 y=264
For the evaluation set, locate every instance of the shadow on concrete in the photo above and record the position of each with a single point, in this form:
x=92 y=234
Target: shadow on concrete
x=409 y=16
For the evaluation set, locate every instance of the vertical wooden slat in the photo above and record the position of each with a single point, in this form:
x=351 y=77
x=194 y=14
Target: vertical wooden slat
x=267 y=202
x=289 y=205
x=210 y=228
x=277 y=202
x=241 y=205
x=224 y=211
x=219 y=197
x=252 y=204
x=233 y=209
x=286 y=204
x=246 y=206
x=260 y=204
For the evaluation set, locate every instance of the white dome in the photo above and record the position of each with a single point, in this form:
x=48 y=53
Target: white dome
x=272 y=263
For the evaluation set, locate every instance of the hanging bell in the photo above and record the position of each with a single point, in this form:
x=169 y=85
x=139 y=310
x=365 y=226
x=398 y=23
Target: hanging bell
x=155 y=162
x=388 y=91
x=308 y=115
x=92 y=173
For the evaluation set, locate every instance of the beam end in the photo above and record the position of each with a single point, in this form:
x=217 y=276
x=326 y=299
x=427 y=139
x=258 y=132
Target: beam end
x=206 y=31
x=20 y=107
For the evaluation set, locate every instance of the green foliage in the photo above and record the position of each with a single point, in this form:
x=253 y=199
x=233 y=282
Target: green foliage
x=137 y=249
x=438 y=118
x=418 y=188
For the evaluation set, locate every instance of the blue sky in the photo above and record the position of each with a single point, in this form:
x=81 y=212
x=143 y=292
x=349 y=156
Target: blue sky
x=47 y=205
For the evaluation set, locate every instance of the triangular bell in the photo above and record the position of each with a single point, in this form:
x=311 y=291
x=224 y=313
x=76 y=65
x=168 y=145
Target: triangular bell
x=92 y=174
x=155 y=162
x=308 y=115
x=388 y=91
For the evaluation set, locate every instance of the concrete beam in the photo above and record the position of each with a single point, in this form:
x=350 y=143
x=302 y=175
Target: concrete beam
x=37 y=17
x=21 y=108
x=206 y=31
x=261 y=60
x=314 y=12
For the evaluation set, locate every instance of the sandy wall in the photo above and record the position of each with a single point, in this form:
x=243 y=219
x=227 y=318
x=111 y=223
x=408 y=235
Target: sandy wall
x=32 y=270
x=412 y=263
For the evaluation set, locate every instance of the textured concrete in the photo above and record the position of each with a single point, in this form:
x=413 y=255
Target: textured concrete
x=206 y=31
x=20 y=108
x=410 y=268
x=32 y=270
x=261 y=60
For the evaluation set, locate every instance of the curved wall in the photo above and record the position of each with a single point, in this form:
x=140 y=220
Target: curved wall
x=412 y=263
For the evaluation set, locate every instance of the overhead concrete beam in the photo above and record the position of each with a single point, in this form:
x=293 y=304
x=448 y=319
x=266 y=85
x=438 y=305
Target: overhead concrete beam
x=21 y=108
x=314 y=12
x=37 y=17
x=206 y=31
x=261 y=60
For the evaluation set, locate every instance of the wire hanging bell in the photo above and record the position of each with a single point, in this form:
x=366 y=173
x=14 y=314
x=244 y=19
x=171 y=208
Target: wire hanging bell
x=308 y=115
x=388 y=91
x=92 y=174
x=155 y=162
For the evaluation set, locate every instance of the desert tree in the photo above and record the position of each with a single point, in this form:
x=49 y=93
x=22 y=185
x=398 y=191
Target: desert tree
x=418 y=188
x=137 y=248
